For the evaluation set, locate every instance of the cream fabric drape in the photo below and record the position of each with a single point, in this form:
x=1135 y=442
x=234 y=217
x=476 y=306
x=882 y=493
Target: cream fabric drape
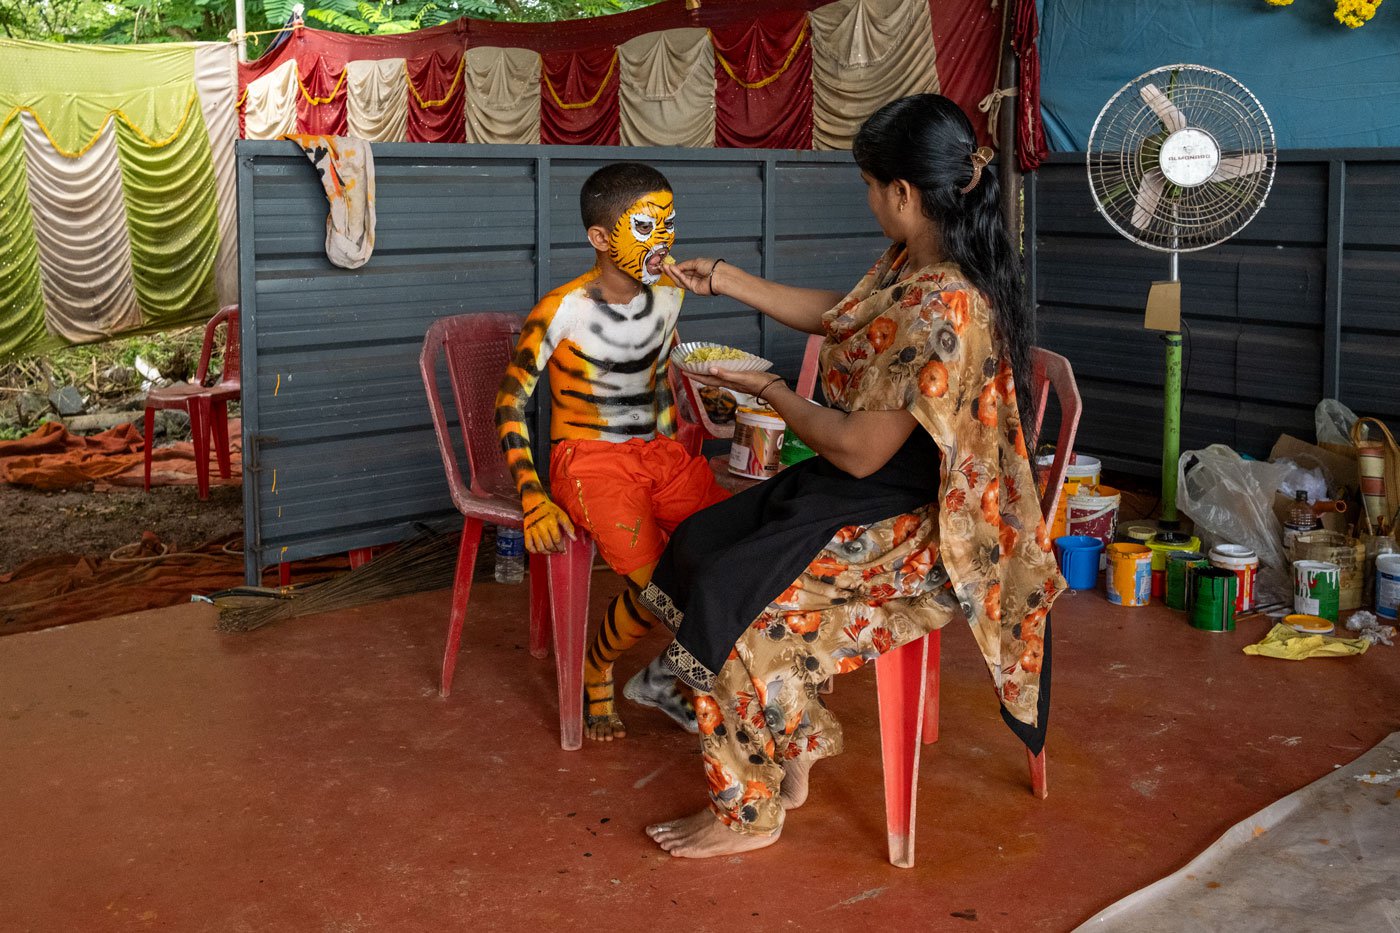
x=503 y=95
x=376 y=100
x=667 y=89
x=270 y=108
x=216 y=79
x=80 y=224
x=866 y=53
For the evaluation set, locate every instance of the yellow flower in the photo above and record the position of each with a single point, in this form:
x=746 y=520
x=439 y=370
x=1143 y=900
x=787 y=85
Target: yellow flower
x=1354 y=13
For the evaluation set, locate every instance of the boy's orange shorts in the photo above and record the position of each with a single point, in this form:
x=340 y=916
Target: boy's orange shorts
x=630 y=496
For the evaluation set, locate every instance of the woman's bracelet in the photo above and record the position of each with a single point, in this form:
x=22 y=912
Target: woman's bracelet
x=772 y=382
x=710 y=279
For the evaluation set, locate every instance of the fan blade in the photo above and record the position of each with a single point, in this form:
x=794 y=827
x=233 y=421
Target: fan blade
x=1148 y=197
x=1166 y=111
x=1236 y=166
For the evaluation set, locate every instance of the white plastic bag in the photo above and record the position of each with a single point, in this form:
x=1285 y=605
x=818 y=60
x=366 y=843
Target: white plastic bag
x=1231 y=501
x=1332 y=421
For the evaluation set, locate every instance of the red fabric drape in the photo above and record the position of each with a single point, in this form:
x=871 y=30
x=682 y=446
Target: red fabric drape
x=1030 y=131
x=436 y=79
x=966 y=36
x=777 y=115
x=321 y=78
x=586 y=82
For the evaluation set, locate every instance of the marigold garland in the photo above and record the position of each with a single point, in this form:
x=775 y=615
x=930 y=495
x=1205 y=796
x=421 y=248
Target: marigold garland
x=1350 y=13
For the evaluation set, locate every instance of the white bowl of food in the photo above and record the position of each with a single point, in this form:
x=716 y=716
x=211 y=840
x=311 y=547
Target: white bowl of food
x=698 y=356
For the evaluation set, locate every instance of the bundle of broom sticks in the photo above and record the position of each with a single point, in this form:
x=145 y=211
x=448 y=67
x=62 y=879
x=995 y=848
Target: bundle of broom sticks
x=424 y=562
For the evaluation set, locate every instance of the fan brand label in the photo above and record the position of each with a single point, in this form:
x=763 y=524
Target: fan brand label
x=1189 y=157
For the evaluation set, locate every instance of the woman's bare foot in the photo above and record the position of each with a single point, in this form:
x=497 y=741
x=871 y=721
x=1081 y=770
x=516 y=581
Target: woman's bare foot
x=794 y=788
x=702 y=835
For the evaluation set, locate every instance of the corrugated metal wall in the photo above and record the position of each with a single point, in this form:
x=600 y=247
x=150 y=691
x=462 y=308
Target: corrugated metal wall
x=339 y=448
x=1301 y=306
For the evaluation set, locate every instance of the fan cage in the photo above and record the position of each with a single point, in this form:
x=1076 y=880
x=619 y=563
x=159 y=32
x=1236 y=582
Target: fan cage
x=1126 y=139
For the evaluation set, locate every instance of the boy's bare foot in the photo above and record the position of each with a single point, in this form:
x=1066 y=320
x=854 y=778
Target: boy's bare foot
x=600 y=720
x=702 y=835
x=794 y=788
x=658 y=688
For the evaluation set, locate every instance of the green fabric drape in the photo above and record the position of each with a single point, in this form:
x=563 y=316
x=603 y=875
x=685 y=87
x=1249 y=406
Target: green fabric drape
x=21 y=297
x=72 y=89
x=173 y=223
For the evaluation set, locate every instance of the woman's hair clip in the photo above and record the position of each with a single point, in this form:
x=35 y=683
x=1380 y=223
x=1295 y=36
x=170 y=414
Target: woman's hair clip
x=980 y=158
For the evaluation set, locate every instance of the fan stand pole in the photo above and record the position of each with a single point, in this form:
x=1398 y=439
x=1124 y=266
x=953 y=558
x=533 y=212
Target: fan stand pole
x=1171 y=418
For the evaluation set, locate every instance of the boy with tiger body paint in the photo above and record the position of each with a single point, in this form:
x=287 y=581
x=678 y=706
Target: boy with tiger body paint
x=616 y=470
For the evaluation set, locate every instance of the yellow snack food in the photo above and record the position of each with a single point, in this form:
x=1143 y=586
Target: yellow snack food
x=715 y=354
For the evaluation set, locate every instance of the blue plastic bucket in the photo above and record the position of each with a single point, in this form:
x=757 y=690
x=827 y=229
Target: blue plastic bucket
x=1079 y=560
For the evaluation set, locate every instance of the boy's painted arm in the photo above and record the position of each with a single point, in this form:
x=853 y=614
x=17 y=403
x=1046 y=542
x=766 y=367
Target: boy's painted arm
x=545 y=523
x=665 y=399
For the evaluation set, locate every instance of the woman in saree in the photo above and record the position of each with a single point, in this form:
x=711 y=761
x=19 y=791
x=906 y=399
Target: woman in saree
x=920 y=502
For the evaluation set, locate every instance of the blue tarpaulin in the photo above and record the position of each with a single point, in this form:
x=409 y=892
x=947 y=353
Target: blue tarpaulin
x=1323 y=85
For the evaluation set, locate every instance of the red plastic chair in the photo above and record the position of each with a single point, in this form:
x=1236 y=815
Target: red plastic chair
x=478 y=348
x=907 y=678
x=207 y=405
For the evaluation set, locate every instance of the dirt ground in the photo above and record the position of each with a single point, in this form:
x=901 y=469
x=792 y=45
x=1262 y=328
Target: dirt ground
x=95 y=523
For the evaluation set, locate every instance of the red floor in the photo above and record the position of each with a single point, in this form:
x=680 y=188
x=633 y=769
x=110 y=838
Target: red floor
x=158 y=775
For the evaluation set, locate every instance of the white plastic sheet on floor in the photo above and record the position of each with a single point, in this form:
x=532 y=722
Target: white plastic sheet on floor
x=1323 y=859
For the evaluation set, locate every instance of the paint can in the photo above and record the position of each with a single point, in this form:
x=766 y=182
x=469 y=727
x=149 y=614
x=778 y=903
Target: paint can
x=1163 y=545
x=1079 y=560
x=1129 y=575
x=1084 y=470
x=1213 y=599
x=1244 y=563
x=1347 y=553
x=1059 y=525
x=1316 y=588
x=1388 y=585
x=1180 y=566
x=1094 y=512
x=1309 y=625
x=756 y=451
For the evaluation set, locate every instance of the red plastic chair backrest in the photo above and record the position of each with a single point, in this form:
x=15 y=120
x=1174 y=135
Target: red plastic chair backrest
x=807 y=379
x=228 y=316
x=478 y=347
x=1053 y=371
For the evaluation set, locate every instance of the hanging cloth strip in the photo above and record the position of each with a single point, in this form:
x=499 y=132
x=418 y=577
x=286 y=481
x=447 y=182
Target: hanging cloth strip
x=579 y=98
x=763 y=83
x=866 y=53
x=667 y=89
x=346 y=167
x=503 y=95
x=437 y=92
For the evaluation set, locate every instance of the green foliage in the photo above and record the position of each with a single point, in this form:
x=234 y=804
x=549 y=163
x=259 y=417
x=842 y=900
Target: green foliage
x=127 y=21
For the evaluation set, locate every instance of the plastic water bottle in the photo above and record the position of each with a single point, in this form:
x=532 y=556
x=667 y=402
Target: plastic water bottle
x=510 y=555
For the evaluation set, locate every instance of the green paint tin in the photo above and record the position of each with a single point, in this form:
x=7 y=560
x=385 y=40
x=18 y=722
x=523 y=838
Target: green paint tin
x=1213 y=599
x=1317 y=588
x=1180 y=566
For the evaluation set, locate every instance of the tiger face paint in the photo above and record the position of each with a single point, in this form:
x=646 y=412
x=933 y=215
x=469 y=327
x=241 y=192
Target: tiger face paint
x=643 y=236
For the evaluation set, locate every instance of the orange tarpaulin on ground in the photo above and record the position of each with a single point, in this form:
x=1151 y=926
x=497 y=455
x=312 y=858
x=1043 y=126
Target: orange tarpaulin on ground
x=52 y=458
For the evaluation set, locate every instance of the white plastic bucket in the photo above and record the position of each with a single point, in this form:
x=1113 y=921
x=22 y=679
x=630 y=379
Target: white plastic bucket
x=1084 y=470
x=1094 y=513
x=758 y=444
x=1244 y=563
x=1388 y=585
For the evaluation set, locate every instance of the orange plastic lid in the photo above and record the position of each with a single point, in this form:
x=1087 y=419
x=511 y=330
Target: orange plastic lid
x=1309 y=625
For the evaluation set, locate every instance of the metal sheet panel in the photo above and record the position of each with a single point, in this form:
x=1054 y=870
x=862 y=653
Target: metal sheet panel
x=1257 y=345
x=339 y=449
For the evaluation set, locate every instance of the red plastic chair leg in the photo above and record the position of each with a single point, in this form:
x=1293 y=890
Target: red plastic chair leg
x=284 y=574
x=1037 y=763
x=569 y=579
x=150 y=434
x=199 y=431
x=461 y=592
x=539 y=606
x=218 y=427
x=935 y=656
x=360 y=556
x=899 y=679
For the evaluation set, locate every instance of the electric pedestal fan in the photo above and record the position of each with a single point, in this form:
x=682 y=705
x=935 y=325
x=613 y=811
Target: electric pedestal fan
x=1180 y=159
